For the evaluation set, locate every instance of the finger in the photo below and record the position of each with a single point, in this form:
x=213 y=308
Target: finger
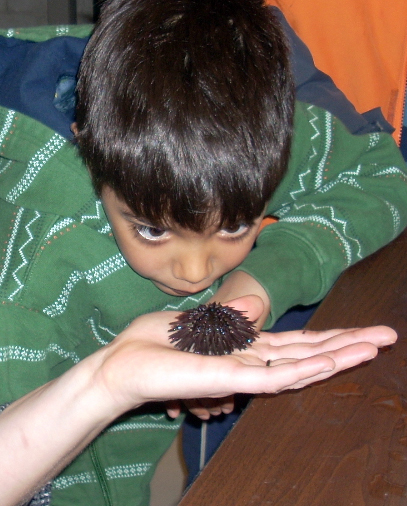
x=173 y=409
x=195 y=407
x=301 y=336
x=261 y=379
x=345 y=358
x=218 y=406
x=292 y=374
x=207 y=407
x=377 y=336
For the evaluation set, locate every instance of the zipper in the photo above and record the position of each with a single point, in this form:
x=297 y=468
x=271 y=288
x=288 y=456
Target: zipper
x=403 y=81
x=202 y=449
x=100 y=474
x=403 y=112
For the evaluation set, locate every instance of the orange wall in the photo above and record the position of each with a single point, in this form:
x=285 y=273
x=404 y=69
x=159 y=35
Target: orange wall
x=361 y=44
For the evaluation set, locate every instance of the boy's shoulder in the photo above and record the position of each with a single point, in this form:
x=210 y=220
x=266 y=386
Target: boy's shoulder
x=321 y=140
x=313 y=122
x=40 y=169
x=38 y=72
x=310 y=124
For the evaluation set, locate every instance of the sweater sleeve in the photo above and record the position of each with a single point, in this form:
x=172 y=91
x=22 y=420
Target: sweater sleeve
x=344 y=196
x=34 y=349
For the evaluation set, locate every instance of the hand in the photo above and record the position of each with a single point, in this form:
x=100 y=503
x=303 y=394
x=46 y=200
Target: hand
x=141 y=364
x=202 y=408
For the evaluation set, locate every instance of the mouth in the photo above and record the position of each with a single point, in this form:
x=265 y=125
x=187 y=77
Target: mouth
x=174 y=291
x=182 y=293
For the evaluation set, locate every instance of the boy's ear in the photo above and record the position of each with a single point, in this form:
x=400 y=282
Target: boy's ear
x=74 y=128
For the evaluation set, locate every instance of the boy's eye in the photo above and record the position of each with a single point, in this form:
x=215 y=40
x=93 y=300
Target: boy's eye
x=235 y=231
x=151 y=233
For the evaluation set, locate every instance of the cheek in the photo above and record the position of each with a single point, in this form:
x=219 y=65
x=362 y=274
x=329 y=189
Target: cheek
x=232 y=257
x=142 y=262
x=143 y=268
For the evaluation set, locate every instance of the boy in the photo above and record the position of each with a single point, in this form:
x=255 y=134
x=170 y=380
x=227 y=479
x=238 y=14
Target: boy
x=184 y=121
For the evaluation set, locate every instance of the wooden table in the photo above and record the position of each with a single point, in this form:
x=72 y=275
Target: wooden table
x=342 y=442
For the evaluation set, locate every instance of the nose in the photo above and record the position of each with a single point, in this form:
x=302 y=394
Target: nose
x=192 y=266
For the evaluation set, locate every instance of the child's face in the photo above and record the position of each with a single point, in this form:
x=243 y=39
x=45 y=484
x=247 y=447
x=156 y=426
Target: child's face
x=177 y=260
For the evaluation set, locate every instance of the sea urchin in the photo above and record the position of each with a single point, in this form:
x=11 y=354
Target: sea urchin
x=212 y=329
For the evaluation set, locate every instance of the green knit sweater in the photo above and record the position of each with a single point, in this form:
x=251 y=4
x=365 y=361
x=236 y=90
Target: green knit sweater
x=344 y=197
x=66 y=290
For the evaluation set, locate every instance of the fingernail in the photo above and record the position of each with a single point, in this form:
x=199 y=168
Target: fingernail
x=370 y=358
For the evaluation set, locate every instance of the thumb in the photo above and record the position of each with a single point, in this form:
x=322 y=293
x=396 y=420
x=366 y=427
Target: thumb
x=251 y=305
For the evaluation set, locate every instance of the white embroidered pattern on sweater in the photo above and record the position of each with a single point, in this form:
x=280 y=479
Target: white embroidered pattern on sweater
x=24 y=260
x=24 y=354
x=90 y=276
x=37 y=162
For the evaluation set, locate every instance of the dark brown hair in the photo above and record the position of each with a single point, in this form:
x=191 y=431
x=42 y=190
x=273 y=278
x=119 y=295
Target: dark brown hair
x=185 y=108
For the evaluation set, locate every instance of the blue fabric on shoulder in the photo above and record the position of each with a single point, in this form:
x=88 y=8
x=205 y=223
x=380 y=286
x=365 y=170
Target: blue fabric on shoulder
x=38 y=79
x=403 y=144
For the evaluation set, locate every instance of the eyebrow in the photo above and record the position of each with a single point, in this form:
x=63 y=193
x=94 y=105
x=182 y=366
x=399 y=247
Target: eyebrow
x=131 y=217
x=128 y=215
x=143 y=221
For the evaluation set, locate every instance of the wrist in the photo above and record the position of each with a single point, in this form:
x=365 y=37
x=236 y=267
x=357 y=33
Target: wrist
x=102 y=386
x=84 y=395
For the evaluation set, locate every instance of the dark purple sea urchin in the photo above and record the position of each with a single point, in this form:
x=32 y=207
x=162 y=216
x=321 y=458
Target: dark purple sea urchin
x=212 y=329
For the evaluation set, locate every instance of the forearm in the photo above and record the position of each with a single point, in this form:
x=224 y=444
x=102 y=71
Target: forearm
x=338 y=203
x=43 y=431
